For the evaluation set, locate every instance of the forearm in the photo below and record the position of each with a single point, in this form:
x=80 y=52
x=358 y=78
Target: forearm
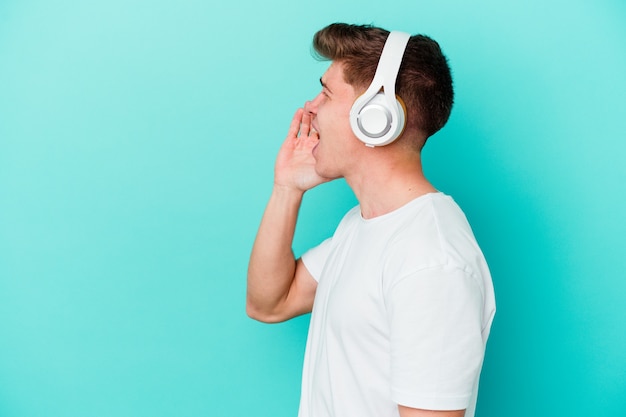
x=272 y=264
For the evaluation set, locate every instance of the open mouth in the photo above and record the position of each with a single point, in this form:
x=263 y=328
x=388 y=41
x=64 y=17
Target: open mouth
x=314 y=127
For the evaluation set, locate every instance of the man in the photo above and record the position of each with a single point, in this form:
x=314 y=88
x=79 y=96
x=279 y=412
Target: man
x=401 y=296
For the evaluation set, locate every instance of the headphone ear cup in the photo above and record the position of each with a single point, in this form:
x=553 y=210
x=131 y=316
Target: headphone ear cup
x=374 y=122
x=401 y=119
x=374 y=119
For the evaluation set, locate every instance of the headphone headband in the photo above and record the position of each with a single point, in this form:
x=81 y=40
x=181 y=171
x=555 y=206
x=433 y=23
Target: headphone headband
x=387 y=106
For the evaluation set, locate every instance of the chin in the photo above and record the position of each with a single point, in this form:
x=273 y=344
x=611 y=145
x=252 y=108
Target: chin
x=327 y=172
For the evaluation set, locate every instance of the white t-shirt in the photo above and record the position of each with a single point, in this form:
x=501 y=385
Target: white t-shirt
x=402 y=314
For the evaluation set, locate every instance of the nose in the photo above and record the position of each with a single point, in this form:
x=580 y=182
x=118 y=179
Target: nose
x=312 y=105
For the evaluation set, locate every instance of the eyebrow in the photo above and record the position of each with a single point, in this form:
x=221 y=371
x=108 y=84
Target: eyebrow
x=325 y=85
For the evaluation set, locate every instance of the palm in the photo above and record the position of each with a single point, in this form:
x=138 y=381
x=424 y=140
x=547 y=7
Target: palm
x=295 y=164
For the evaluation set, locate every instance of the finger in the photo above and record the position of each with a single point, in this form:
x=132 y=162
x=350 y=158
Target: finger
x=305 y=126
x=294 y=127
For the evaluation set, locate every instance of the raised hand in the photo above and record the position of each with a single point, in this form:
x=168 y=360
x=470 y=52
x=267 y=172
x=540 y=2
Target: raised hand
x=295 y=164
x=279 y=286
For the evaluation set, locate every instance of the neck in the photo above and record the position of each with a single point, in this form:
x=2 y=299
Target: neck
x=387 y=180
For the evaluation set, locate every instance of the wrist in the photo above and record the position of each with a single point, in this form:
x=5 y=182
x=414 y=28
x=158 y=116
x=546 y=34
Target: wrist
x=287 y=193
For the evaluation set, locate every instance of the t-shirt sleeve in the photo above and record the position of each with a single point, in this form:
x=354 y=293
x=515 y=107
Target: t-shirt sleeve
x=436 y=343
x=315 y=258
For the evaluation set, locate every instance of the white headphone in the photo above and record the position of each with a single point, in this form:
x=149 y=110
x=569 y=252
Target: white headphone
x=377 y=117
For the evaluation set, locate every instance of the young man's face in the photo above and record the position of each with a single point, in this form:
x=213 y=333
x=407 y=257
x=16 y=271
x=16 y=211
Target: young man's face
x=331 y=119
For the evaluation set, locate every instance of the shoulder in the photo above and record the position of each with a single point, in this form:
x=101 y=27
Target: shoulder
x=435 y=234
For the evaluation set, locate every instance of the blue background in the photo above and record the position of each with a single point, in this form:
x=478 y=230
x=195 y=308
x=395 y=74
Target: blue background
x=137 y=141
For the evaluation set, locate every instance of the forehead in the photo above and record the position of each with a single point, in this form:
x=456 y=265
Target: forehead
x=334 y=72
x=333 y=78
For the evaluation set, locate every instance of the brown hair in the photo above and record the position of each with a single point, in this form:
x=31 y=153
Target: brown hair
x=424 y=82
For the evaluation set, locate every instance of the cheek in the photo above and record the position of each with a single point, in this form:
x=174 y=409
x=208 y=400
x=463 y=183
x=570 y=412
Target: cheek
x=339 y=119
x=334 y=120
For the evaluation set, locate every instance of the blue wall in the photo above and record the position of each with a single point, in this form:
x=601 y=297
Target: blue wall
x=137 y=141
